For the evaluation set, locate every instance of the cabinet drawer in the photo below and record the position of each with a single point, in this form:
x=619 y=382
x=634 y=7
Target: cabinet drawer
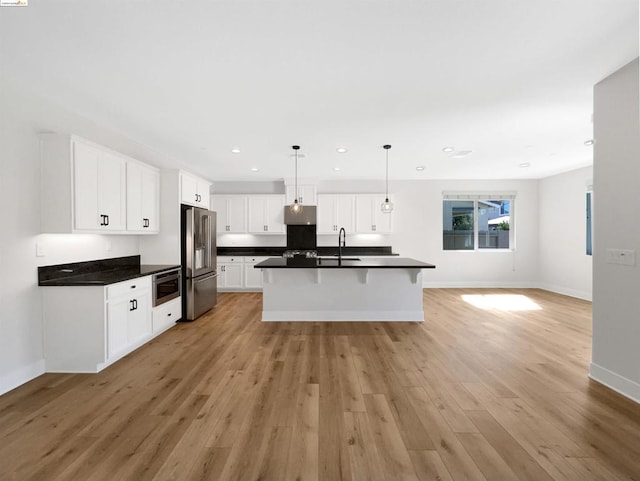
x=166 y=314
x=255 y=259
x=122 y=288
x=229 y=259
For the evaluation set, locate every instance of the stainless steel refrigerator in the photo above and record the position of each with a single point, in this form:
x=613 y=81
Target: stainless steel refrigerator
x=199 y=268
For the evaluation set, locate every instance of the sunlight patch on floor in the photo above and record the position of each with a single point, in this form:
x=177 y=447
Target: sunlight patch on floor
x=501 y=302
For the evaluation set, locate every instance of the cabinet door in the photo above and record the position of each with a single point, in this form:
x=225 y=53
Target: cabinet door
x=219 y=206
x=150 y=200
x=382 y=222
x=233 y=275
x=134 y=198
x=237 y=214
x=274 y=214
x=364 y=214
x=345 y=212
x=86 y=160
x=139 y=320
x=111 y=191
x=188 y=189
x=256 y=214
x=204 y=196
x=306 y=194
x=252 y=276
x=117 y=319
x=327 y=214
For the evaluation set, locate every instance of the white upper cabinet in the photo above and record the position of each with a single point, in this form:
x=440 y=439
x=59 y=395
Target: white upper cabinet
x=266 y=214
x=85 y=189
x=99 y=189
x=143 y=198
x=231 y=213
x=194 y=190
x=336 y=211
x=369 y=216
x=306 y=194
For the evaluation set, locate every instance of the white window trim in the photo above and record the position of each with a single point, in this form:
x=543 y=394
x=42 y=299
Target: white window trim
x=475 y=196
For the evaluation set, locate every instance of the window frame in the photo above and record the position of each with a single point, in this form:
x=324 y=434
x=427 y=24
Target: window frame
x=477 y=197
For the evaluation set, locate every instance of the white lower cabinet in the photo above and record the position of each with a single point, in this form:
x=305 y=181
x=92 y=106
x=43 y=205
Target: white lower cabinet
x=252 y=276
x=87 y=328
x=230 y=272
x=165 y=315
x=236 y=273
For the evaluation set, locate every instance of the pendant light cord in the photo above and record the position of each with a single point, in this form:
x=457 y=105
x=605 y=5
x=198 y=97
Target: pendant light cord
x=386 y=148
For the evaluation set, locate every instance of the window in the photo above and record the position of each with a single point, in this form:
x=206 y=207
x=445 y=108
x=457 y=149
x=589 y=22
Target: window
x=589 y=225
x=477 y=221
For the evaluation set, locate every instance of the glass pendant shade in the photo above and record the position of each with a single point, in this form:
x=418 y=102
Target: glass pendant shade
x=387 y=207
x=296 y=207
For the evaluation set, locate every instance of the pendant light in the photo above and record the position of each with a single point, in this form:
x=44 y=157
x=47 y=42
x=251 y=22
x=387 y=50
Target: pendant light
x=296 y=207
x=387 y=207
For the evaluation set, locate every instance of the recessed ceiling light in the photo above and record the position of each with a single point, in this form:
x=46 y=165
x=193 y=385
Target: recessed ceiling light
x=336 y=169
x=588 y=143
x=460 y=154
x=524 y=164
x=235 y=150
x=342 y=150
x=420 y=168
x=255 y=169
x=448 y=149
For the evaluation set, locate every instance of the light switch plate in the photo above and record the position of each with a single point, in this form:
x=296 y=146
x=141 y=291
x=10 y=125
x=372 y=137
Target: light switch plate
x=624 y=257
x=39 y=249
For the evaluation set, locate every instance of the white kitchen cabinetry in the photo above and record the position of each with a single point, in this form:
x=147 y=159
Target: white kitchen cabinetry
x=87 y=328
x=99 y=188
x=165 y=315
x=369 y=216
x=252 y=276
x=143 y=198
x=266 y=214
x=128 y=315
x=335 y=211
x=306 y=194
x=231 y=213
x=194 y=190
x=230 y=272
x=85 y=190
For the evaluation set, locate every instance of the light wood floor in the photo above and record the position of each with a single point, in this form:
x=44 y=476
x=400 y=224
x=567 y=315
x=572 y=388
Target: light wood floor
x=470 y=394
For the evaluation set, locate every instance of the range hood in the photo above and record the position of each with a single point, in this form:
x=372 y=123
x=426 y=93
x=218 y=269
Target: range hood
x=306 y=217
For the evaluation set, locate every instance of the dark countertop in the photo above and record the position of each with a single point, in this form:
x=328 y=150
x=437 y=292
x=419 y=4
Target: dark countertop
x=322 y=251
x=363 y=263
x=99 y=272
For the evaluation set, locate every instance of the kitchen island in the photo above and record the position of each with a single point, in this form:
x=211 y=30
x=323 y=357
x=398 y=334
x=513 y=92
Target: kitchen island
x=353 y=289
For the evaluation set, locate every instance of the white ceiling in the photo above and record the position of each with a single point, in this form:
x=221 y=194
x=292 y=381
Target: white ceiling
x=511 y=80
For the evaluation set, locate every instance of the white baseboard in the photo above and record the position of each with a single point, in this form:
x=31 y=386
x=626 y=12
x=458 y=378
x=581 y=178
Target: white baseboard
x=618 y=383
x=508 y=285
x=20 y=376
x=479 y=285
x=587 y=296
x=341 y=316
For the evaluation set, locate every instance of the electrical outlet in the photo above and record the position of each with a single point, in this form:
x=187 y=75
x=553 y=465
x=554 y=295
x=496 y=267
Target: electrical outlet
x=39 y=249
x=108 y=246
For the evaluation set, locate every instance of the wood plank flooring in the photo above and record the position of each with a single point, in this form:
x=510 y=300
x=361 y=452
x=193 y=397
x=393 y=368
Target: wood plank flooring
x=492 y=386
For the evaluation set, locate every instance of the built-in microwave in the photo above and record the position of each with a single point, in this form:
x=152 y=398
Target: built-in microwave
x=166 y=286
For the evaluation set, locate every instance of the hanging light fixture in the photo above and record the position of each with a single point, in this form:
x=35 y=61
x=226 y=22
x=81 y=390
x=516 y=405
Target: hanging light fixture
x=387 y=207
x=296 y=207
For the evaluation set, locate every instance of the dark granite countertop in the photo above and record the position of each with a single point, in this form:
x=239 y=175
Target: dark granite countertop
x=331 y=263
x=322 y=251
x=99 y=272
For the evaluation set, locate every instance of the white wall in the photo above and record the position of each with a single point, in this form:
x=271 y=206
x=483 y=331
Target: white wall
x=564 y=265
x=22 y=116
x=616 y=288
x=417 y=231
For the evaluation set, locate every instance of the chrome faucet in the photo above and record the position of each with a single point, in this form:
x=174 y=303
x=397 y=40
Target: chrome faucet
x=342 y=242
